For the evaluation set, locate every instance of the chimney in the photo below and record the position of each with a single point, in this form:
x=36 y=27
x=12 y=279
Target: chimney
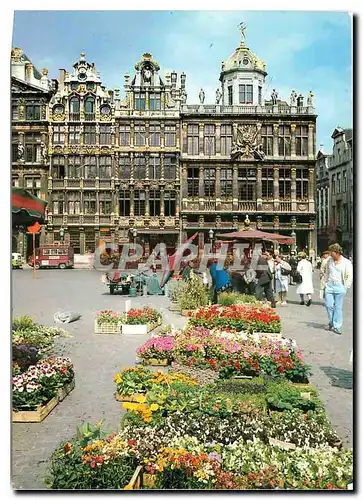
x=28 y=72
x=62 y=77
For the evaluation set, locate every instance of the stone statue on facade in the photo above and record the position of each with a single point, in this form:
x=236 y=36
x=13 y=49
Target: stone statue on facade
x=43 y=150
x=247 y=223
x=258 y=153
x=218 y=96
x=184 y=96
x=274 y=96
x=201 y=96
x=310 y=99
x=245 y=144
x=300 y=101
x=293 y=97
x=20 y=151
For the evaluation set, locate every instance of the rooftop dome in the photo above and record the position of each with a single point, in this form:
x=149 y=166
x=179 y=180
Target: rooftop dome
x=243 y=59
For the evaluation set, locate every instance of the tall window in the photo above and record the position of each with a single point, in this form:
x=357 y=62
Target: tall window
x=226 y=140
x=32 y=148
x=74 y=134
x=154 y=135
x=89 y=202
x=58 y=169
x=209 y=139
x=333 y=185
x=268 y=183
x=344 y=181
x=74 y=113
x=124 y=163
x=284 y=184
x=154 y=202
x=90 y=167
x=105 y=169
x=245 y=94
x=105 y=134
x=124 y=202
x=193 y=139
x=302 y=182
x=140 y=135
x=209 y=182
x=259 y=95
x=338 y=183
x=74 y=167
x=58 y=203
x=154 y=101
x=74 y=203
x=139 y=167
x=226 y=182
x=193 y=182
x=140 y=100
x=284 y=140
x=15 y=182
x=139 y=202
x=170 y=167
x=267 y=139
x=90 y=134
x=14 y=112
x=154 y=167
x=89 y=108
x=302 y=140
x=247 y=184
x=32 y=112
x=58 y=134
x=169 y=203
x=125 y=135
x=32 y=184
x=230 y=95
x=105 y=202
x=170 y=135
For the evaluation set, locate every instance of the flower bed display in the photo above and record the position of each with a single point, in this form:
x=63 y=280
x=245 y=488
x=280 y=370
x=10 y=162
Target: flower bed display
x=246 y=318
x=25 y=332
x=38 y=390
x=192 y=294
x=108 y=321
x=157 y=351
x=140 y=321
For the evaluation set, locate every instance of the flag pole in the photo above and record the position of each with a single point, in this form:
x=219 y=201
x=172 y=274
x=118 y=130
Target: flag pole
x=34 y=269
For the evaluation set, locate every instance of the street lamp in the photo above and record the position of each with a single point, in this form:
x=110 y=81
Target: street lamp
x=211 y=234
x=61 y=234
x=293 y=246
x=134 y=233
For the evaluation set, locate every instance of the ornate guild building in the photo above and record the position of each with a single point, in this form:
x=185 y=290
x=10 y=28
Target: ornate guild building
x=149 y=167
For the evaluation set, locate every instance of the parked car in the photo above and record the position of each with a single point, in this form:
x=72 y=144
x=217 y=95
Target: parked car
x=16 y=261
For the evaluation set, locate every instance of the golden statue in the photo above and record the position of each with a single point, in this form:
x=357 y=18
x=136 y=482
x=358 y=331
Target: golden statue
x=242 y=27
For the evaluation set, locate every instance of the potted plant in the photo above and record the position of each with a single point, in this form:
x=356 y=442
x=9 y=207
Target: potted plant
x=157 y=351
x=140 y=321
x=108 y=321
x=132 y=382
x=192 y=295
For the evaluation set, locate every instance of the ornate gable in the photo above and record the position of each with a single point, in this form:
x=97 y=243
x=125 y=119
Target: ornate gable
x=18 y=86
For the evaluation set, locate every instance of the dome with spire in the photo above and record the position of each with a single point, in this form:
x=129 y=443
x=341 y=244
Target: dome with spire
x=243 y=59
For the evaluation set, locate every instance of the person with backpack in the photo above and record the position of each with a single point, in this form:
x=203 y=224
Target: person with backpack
x=282 y=273
x=293 y=265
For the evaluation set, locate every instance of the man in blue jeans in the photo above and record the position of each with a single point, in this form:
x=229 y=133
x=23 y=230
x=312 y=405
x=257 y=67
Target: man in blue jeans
x=339 y=277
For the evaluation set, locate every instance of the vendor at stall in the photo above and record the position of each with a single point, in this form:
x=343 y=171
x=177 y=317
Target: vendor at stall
x=221 y=282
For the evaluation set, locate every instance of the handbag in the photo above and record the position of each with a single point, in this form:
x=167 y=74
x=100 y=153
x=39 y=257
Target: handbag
x=297 y=277
x=285 y=272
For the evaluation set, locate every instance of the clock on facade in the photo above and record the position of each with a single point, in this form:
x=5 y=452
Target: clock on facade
x=105 y=110
x=82 y=75
x=245 y=61
x=58 y=109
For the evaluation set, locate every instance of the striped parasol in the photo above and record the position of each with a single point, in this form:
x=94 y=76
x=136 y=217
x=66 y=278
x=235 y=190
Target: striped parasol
x=26 y=208
x=172 y=260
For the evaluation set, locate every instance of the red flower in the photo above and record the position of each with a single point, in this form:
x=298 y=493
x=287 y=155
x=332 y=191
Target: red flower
x=92 y=464
x=131 y=442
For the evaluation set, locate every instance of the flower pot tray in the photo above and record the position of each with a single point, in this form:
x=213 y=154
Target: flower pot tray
x=138 y=329
x=135 y=482
x=148 y=480
x=281 y=444
x=37 y=415
x=64 y=391
x=128 y=399
x=107 y=327
x=156 y=362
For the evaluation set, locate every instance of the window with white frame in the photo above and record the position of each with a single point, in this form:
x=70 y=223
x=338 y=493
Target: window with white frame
x=154 y=167
x=170 y=135
x=193 y=139
x=58 y=167
x=245 y=94
x=58 y=134
x=124 y=163
x=105 y=167
x=105 y=135
x=140 y=135
x=226 y=140
x=209 y=139
x=170 y=167
x=139 y=167
x=154 y=135
x=74 y=132
x=125 y=135
x=90 y=167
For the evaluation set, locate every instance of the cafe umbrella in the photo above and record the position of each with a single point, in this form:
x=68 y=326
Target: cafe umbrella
x=173 y=260
x=26 y=208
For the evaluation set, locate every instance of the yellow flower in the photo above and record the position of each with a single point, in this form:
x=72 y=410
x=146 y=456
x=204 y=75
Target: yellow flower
x=140 y=398
x=154 y=407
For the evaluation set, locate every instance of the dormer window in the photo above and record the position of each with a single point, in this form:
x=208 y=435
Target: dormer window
x=140 y=100
x=154 y=101
x=230 y=95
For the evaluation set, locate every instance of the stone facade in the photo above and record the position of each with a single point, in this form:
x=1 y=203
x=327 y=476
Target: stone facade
x=324 y=235
x=153 y=168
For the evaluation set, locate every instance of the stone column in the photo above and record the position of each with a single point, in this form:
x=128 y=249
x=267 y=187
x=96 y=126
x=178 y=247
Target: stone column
x=184 y=182
x=131 y=165
x=162 y=173
x=177 y=203
x=184 y=137
x=311 y=154
x=276 y=189
x=177 y=135
x=147 y=202
x=201 y=138
x=201 y=182
x=82 y=242
x=293 y=140
x=311 y=190
x=132 y=213
x=293 y=189
x=235 y=187
x=162 y=214
x=218 y=138
x=259 y=188
x=275 y=141
x=132 y=134
x=218 y=183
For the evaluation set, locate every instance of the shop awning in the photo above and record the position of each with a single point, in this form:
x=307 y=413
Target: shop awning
x=255 y=235
x=26 y=208
x=157 y=231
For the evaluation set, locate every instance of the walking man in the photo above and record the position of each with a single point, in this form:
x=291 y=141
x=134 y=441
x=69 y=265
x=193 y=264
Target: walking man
x=339 y=277
x=264 y=278
x=322 y=270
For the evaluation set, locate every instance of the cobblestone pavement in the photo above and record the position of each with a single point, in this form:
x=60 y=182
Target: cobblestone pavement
x=97 y=358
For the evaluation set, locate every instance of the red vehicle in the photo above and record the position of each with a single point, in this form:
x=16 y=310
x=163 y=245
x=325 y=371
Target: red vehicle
x=53 y=255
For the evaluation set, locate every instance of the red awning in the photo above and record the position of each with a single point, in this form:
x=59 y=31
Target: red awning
x=254 y=234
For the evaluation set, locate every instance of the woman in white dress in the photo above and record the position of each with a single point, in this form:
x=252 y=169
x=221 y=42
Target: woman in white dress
x=282 y=270
x=306 y=287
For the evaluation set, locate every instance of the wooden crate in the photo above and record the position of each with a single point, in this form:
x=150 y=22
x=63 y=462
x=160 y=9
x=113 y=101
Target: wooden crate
x=155 y=362
x=148 y=480
x=135 y=481
x=37 y=415
x=107 y=327
x=138 y=329
x=64 y=391
x=128 y=399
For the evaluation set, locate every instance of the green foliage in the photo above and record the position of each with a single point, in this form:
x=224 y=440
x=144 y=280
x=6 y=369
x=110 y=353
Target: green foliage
x=174 y=289
x=193 y=294
x=230 y=298
x=88 y=432
x=282 y=396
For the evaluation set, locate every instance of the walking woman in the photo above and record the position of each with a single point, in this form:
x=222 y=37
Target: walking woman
x=282 y=272
x=306 y=287
x=339 y=277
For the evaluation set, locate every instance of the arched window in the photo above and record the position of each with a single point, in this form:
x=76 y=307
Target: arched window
x=89 y=108
x=74 y=108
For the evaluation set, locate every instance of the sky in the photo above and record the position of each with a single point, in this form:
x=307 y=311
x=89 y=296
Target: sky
x=302 y=50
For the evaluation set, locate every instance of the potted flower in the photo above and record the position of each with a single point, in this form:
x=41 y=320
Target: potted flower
x=108 y=321
x=132 y=382
x=140 y=321
x=157 y=351
x=193 y=295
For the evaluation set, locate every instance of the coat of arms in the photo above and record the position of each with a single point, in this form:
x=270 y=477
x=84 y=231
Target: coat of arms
x=245 y=144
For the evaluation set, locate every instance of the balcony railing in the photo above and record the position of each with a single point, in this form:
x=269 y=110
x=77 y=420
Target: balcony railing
x=105 y=184
x=210 y=206
x=90 y=117
x=89 y=219
x=247 y=206
x=89 y=183
x=58 y=183
x=220 y=109
x=105 y=219
x=73 y=183
x=74 y=117
x=285 y=206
